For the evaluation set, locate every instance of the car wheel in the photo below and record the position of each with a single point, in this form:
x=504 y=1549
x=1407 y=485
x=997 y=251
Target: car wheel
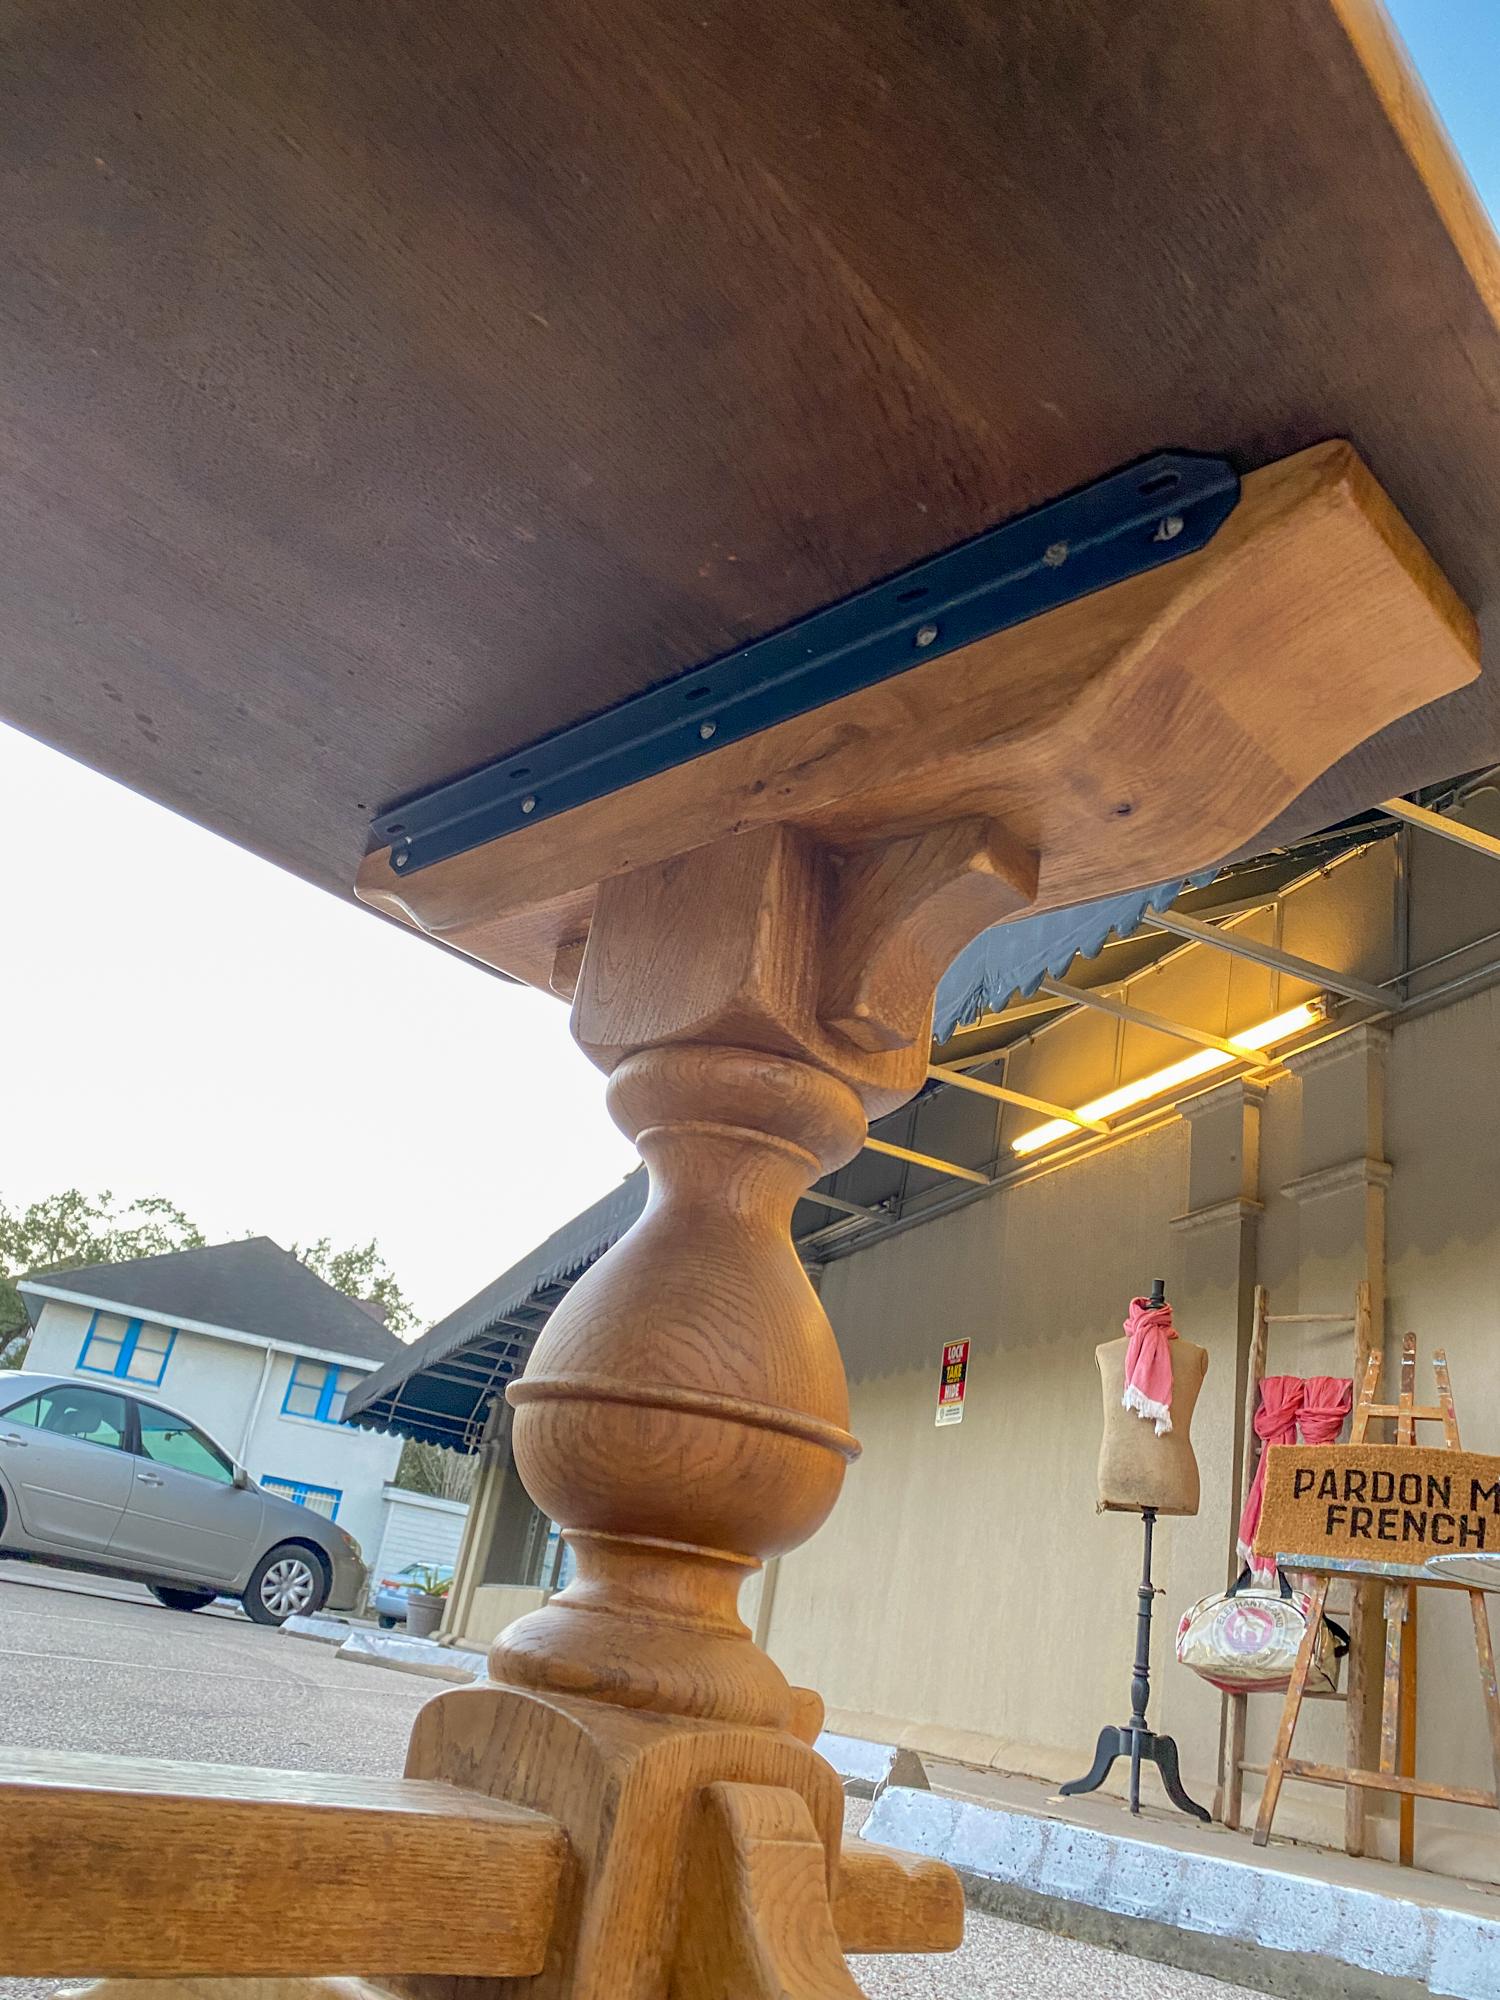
x=181 y=1600
x=387 y=1623
x=285 y=1582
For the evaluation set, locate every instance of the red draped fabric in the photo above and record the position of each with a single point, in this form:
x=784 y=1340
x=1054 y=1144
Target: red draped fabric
x=1290 y=1407
x=1326 y=1401
x=1275 y=1423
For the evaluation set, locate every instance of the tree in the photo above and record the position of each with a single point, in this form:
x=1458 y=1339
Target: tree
x=64 y=1231
x=361 y=1273
x=429 y=1468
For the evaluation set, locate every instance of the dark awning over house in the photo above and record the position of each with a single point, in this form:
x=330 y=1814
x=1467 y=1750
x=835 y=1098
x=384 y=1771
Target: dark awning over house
x=439 y=1389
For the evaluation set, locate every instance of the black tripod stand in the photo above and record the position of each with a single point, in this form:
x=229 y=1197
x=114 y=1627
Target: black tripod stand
x=1136 y=1740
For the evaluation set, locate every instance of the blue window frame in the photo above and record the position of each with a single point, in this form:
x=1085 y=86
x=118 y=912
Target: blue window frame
x=316 y=1390
x=135 y=1350
x=321 y=1499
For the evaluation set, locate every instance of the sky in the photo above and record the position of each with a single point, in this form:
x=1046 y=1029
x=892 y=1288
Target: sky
x=210 y=1028
x=182 y=1018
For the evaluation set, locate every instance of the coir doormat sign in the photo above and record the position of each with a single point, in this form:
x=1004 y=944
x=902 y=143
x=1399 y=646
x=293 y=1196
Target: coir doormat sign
x=1377 y=1503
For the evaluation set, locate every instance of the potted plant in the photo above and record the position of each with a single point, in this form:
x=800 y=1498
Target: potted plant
x=425 y=1601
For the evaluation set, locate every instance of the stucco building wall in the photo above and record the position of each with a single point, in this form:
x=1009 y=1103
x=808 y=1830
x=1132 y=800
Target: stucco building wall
x=965 y=1595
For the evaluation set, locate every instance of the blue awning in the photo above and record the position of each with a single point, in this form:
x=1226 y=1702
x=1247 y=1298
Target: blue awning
x=1015 y=958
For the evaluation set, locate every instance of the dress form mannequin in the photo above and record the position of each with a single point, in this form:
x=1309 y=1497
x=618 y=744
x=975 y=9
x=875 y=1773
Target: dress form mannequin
x=1138 y=1469
x=1146 y=1466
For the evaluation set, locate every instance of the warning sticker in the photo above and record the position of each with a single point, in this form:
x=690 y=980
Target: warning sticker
x=952 y=1382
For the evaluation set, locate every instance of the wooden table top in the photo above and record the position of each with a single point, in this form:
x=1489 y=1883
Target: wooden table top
x=387 y=384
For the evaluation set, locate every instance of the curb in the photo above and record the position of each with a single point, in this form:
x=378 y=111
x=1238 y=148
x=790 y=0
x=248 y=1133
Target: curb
x=412 y=1656
x=1265 y=1928
x=322 y=1631
x=865 y=1769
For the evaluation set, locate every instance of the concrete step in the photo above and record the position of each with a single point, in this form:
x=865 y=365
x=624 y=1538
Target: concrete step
x=1294 y=1921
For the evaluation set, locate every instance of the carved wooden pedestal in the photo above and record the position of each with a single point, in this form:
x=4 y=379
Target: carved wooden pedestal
x=630 y=1809
x=755 y=939
x=685 y=1416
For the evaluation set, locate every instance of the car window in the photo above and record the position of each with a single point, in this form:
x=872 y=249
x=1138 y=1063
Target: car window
x=171 y=1440
x=71 y=1410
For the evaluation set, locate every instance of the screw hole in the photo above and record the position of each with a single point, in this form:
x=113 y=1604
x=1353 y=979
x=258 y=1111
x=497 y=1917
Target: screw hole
x=521 y=771
x=1160 y=482
x=911 y=596
x=396 y=826
x=697 y=694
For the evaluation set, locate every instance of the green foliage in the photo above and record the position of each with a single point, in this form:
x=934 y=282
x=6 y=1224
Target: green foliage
x=362 y=1273
x=64 y=1231
x=435 y=1582
x=428 y=1468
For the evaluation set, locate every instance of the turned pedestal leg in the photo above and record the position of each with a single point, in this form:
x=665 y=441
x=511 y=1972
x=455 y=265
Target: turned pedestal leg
x=685 y=1414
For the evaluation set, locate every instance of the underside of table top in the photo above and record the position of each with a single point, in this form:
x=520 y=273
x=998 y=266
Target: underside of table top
x=389 y=385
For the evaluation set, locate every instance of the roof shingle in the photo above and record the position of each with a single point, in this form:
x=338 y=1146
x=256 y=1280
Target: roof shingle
x=253 y=1286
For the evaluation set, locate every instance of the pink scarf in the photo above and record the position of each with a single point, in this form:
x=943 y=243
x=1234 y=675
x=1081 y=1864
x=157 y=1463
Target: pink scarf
x=1275 y=1423
x=1148 y=1363
x=1328 y=1401
x=1315 y=1408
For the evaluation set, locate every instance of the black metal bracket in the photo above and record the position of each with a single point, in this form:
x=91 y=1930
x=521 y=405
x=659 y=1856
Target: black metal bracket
x=1149 y=514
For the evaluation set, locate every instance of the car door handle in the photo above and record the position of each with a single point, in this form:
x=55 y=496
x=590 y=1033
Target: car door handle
x=150 y=1479
x=8 y=1437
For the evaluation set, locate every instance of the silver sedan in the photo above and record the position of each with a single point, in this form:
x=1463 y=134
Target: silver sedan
x=99 y=1479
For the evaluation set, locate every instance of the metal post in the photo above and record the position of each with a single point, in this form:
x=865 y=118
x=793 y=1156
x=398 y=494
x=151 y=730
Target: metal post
x=1140 y=1684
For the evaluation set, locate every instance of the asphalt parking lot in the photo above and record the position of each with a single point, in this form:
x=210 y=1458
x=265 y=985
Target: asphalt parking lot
x=91 y=1665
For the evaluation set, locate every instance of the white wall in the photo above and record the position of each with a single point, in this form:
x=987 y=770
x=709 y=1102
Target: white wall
x=356 y=1463
x=216 y=1383
x=418 y=1528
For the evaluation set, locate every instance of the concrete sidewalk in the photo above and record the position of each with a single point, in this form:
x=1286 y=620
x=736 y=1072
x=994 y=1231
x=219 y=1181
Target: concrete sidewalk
x=1295 y=1921
x=1290 y=1920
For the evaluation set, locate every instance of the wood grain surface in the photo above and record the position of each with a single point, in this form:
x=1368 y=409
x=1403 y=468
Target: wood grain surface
x=1244 y=671
x=387 y=385
x=141 y=1867
x=628 y=1788
x=886 y=1900
x=756 y=1921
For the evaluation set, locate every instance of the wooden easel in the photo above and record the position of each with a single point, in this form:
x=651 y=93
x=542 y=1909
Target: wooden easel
x=1398 y=1714
x=1232 y=1777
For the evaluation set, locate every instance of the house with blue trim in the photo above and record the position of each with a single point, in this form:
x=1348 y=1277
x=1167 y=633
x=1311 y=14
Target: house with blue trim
x=248 y=1343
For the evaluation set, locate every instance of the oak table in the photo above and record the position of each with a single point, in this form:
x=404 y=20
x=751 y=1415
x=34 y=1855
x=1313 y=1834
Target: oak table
x=703 y=510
